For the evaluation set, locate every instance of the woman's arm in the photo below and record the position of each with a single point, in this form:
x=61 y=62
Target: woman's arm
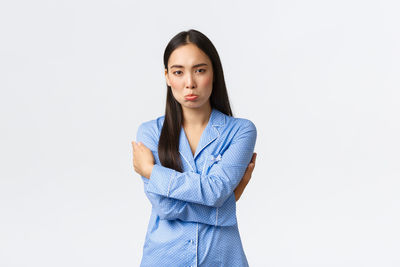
x=246 y=178
x=170 y=209
x=218 y=185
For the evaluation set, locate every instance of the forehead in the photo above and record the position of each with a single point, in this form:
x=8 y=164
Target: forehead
x=188 y=55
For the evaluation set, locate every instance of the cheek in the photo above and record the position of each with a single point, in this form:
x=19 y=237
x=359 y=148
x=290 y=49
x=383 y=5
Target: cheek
x=207 y=81
x=176 y=87
x=175 y=83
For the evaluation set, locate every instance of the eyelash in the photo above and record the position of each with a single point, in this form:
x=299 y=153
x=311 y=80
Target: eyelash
x=203 y=70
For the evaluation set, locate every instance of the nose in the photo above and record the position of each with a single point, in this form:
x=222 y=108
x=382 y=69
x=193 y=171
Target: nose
x=190 y=82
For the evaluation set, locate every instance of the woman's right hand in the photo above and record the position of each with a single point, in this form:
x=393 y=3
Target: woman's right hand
x=246 y=177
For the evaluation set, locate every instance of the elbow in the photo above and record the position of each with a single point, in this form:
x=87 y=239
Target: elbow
x=165 y=208
x=169 y=209
x=165 y=214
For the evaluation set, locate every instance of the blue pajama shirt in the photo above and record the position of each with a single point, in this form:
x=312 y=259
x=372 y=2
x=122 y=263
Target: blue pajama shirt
x=193 y=218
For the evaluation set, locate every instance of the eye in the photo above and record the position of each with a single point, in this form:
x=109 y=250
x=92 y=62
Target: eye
x=176 y=72
x=201 y=70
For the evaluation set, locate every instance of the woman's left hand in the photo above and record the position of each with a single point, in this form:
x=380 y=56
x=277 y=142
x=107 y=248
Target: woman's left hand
x=246 y=177
x=143 y=159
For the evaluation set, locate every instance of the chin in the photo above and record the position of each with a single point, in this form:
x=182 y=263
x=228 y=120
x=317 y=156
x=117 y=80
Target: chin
x=194 y=105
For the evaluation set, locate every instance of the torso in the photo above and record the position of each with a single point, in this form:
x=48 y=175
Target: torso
x=194 y=240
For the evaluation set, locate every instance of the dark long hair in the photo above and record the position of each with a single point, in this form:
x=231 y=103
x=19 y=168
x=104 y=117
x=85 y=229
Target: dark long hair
x=168 y=145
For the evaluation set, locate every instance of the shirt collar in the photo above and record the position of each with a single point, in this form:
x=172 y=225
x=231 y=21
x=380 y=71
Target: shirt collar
x=209 y=135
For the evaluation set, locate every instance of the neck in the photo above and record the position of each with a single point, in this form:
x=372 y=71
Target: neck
x=196 y=117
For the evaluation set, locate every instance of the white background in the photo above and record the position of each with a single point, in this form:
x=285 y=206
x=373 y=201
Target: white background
x=320 y=80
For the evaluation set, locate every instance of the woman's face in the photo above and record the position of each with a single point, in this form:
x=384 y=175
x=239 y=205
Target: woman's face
x=190 y=73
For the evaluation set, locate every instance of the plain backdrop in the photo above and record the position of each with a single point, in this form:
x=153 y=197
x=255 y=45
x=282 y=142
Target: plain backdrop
x=320 y=80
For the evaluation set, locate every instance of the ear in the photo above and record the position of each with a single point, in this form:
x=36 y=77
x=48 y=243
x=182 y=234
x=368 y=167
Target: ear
x=166 y=77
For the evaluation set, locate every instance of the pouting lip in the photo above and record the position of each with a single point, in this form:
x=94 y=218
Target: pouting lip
x=190 y=95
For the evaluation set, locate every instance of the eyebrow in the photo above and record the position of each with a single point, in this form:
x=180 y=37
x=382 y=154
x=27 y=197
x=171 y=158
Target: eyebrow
x=194 y=66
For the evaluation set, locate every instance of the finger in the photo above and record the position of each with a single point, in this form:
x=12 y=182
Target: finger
x=136 y=146
x=246 y=177
x=251 y=166
x=249 y=171
x=253 y=158
x=143 y=146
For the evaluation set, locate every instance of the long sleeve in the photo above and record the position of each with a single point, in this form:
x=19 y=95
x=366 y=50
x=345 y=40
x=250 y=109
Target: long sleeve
x=171 y=209
x=214 y=188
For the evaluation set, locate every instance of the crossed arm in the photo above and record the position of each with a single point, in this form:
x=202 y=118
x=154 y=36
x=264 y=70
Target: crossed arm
x=175 y=195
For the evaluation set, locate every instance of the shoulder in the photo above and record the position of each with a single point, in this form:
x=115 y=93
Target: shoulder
x=153 y=125
x=240 y=124
x=149 y=132
x=237 y=129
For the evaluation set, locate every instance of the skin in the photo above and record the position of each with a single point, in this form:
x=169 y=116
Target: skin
x=189 y=72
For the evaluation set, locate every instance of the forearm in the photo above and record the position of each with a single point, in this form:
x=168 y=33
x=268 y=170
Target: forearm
x=171 y=209
x=209 y=190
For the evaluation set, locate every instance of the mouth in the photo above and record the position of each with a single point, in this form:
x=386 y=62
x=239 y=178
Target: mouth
x=191 y=97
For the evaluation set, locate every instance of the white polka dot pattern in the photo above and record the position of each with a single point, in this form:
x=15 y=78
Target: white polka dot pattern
x=193 y=220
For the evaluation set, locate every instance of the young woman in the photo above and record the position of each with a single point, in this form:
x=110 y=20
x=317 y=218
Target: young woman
x=195 y=162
